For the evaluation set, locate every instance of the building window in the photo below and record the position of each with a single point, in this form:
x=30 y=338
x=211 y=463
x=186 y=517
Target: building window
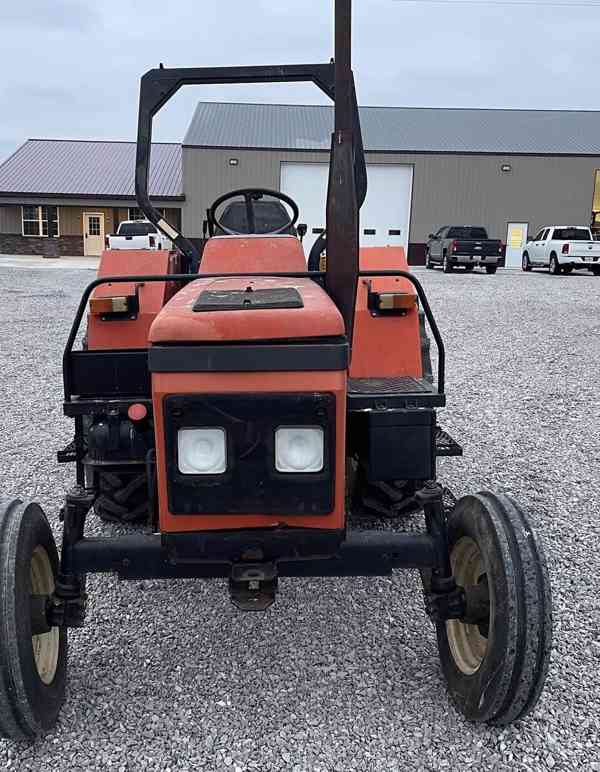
x=40 y=221
x=136 y=214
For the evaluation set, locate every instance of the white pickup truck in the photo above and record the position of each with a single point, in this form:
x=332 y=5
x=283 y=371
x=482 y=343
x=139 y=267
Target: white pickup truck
x=138 y=234
x=560 y=248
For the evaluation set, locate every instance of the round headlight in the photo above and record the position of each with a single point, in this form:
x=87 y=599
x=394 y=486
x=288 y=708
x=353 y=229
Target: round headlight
x=299 y=449
x=202 y=451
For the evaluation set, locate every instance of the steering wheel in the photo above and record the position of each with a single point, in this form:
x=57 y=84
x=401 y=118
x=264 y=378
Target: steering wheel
x=251 y=195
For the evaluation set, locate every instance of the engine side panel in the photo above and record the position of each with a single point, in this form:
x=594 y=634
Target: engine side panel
x=131 y=333
x=385 y=345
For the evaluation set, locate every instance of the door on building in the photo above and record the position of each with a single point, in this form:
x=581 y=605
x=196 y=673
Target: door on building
x=385 y=214
x=93 y=233
x=516 y=238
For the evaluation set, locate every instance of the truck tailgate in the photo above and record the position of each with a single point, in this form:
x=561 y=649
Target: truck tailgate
x=585 y=249
x=476 y=247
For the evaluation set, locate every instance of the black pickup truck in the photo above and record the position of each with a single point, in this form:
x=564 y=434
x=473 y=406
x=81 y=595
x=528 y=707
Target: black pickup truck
x=462 y=245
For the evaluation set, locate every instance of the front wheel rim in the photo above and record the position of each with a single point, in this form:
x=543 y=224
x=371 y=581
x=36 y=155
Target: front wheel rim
x=468 y=643
x=46 y=646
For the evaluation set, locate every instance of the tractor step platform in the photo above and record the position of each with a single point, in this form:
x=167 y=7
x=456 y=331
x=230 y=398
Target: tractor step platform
x=445 y=445
x=394 y=392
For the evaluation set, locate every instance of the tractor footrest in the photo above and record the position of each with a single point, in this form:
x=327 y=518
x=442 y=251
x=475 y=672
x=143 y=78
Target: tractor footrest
x=445 y=445
x=67 y=455
x=394 y=392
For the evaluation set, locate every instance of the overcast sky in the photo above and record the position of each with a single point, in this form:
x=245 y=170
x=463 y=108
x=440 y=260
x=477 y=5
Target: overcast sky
x=70 y=68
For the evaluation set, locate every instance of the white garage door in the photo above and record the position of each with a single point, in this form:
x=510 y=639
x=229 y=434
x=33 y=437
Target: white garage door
x=384 y=217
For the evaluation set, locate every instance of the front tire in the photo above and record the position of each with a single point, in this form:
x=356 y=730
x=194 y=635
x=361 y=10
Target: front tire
x=495 y=669
x=428 y=263
x=554 y=265
x=34 y=667
x=491 y=269
x=526 y=263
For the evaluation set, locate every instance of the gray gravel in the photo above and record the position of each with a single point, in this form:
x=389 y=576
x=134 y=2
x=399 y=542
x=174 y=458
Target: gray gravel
x=339 y=674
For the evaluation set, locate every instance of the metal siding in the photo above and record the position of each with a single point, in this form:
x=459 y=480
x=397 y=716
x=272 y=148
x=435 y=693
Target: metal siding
x=207 y=175
x=398 y=129
x=460 y=189
x=10 y=219
x=71 y=219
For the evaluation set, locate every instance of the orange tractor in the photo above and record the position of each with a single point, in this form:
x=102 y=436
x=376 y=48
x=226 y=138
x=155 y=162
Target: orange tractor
x=244 y=405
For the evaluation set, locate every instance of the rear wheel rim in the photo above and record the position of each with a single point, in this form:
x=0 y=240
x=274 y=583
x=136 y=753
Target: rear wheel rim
x=468 y=645
x=46 y=646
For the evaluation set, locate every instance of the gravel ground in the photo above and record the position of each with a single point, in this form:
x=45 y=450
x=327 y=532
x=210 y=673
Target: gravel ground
x=339 y=674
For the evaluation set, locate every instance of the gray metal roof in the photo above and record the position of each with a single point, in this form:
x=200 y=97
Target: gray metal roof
x=88 y=169
x=398 y=129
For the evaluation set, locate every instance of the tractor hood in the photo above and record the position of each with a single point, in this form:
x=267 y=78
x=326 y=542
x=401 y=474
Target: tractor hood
x=244 y=309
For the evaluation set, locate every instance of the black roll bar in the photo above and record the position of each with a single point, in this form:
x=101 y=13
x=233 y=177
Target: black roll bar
x=188 y=277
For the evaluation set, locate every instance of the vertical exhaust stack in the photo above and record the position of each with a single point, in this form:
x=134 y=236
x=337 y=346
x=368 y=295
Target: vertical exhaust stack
x=342 y=195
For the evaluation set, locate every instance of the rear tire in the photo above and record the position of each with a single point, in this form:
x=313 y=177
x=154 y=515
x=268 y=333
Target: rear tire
x=554 y=265
x=491 y=269
x=495 y=669
x=122 y=498
x=446 y=265
x=526 y=263
x=33 y=667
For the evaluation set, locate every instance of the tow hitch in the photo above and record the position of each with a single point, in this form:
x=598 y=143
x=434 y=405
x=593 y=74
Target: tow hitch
x=252 y=586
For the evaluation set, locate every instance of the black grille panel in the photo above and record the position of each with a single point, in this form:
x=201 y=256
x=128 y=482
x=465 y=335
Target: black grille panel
x=251 y=484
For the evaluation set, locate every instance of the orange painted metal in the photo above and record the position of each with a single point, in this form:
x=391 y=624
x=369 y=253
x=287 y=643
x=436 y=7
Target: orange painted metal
x=385 y=346
x=131 y=333
x=164 y=384
x=232 y=254
x=178 y=322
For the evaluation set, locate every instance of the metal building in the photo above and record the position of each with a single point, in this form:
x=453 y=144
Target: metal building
x=509 y=170
x=61 y=197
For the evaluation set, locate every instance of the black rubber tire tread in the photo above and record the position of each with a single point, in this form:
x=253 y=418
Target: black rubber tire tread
x=526 y=263
x=446 y=265
x=122 y=498
x=556 y=270
x=28 y=707
x=428 y=263
x=491 y=269
x=510 y=680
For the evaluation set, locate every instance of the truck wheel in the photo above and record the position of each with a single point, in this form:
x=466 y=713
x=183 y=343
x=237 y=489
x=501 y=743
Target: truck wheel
x=526 y=263
x=428 y=263
x=34 y=667
x=446 y=265
x=491 y=269
x=122 y=498
x=496 y=668
x=554 y=265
